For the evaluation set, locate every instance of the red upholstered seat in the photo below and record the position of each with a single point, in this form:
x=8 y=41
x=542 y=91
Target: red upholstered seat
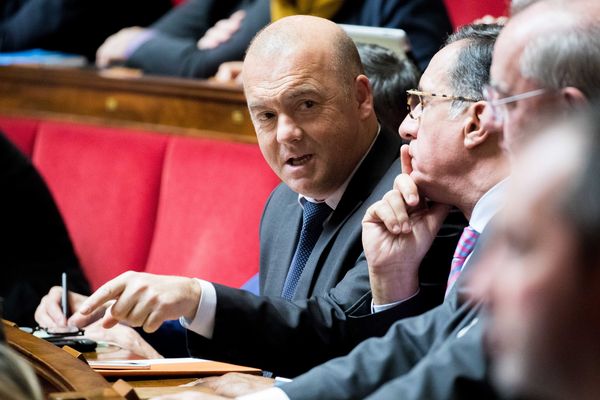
x=106 y=184
x=212 y=197
x=463 y=12
x=21 y=131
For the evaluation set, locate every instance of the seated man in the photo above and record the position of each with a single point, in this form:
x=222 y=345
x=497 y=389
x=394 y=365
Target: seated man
x=537 y=67
x=540 y=277
x=390 y=78
x=453 y=161
x=182 y=44
x=35 y=248
x=72 y=26
x=319 y=133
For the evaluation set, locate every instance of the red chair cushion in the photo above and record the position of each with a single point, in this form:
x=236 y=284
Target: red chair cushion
x=462 y=12
x=106 y=185
x=212 y=197
x=21 y=131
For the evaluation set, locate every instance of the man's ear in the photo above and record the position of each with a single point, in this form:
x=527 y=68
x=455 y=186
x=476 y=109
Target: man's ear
x=364 y=95
x=473 y=132
x=573 y=97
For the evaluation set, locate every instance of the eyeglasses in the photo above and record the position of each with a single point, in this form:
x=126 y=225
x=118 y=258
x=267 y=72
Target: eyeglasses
x=415 y=103
x=498 y=105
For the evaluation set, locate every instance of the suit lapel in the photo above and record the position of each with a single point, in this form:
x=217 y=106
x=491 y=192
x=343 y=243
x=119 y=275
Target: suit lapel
x=373 y=168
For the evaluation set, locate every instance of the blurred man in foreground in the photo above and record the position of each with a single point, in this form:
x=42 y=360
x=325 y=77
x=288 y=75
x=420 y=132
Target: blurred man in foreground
x=540 y=276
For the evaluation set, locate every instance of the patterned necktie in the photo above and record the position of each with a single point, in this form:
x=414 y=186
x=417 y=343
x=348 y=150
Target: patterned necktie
x=313 y=216
x=465 y=246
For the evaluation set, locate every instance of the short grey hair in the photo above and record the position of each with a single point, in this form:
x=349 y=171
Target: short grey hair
x=471 y=71
x=565 y=58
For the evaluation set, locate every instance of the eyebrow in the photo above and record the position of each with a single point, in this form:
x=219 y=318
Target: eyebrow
x=498 y=88
x=300 y=92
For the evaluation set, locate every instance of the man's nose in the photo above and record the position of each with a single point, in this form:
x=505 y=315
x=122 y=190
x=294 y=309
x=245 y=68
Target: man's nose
x=408 y=128
x=287 y=130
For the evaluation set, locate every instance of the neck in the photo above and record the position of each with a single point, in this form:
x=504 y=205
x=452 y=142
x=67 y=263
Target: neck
x=473 y=186
x=489 y=166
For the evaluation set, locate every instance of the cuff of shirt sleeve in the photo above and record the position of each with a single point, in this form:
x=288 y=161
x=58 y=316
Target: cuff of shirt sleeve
x=204 y=321
x=375 y=308
x=273 y=393
x=138 y=41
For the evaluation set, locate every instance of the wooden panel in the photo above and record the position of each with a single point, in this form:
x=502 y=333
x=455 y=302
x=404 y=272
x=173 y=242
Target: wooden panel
x=168 y=102
x=57 y=370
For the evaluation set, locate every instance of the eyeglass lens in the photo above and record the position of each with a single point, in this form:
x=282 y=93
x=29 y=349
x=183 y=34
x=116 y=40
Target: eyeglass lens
x=414 y=101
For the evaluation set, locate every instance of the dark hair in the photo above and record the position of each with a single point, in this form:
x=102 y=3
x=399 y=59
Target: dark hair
x=390 y=77
x=472 y=69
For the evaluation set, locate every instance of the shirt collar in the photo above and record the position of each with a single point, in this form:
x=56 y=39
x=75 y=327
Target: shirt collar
x=333 y=200
x=488 y=205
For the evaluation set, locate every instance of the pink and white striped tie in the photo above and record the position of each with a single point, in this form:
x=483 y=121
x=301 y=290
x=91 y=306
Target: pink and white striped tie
x=465 y=246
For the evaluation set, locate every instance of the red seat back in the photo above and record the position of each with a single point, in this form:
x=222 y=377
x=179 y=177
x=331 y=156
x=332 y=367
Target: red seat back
x=464 y=12
x=20 y=131
x=106 y=185
x=214 y=192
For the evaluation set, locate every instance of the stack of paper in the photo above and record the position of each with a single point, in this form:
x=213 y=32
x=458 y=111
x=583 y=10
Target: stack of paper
x=167 y=366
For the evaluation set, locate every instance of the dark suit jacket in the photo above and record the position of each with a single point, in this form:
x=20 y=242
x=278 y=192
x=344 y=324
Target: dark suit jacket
x=173 y=51
x=35 y=247
x=291 y=337
x=72 y=26
x=434 y=356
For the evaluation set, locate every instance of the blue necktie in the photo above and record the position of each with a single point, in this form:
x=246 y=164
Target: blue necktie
x=312 y=225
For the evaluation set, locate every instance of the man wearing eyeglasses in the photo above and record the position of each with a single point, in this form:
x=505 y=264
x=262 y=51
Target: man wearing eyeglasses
x=451 y=160
x=545 y=61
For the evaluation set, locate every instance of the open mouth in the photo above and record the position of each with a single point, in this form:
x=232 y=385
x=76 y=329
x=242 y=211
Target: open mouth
x=298 y=161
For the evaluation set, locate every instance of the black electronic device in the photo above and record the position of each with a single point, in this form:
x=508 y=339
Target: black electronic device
x=83 y=345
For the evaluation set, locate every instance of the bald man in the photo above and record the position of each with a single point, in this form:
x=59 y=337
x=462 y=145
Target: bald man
x=312 y=109
x=451 y=159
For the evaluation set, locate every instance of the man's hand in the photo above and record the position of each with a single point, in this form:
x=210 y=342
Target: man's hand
x=222 y=31
x=235 y=384
x=230 y=72
x=114 y=49
x=49 y=313
x=144 y=300
x=397 y=233
x=126 y=337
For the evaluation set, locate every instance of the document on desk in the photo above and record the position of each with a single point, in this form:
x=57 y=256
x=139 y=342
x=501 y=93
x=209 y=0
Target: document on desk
x=166 y=366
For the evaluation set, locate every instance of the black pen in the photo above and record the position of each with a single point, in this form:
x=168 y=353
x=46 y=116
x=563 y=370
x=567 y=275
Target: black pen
x=65 y=306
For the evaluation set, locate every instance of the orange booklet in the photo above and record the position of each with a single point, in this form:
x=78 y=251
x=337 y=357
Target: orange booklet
x=167 y=366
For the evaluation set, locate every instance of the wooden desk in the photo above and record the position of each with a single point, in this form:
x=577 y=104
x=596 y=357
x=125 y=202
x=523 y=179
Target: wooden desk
x=159 y=101
x=57 y=370
x=69 y=378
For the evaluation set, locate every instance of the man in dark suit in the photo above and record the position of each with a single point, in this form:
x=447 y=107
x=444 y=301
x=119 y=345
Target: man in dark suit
x=451 y=159
x=72 y=26
x=321 y=136
x=171 y=46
